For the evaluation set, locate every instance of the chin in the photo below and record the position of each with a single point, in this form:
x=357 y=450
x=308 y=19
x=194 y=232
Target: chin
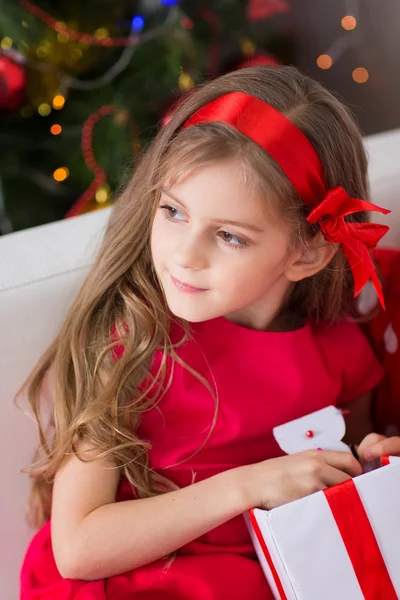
x=192 y=314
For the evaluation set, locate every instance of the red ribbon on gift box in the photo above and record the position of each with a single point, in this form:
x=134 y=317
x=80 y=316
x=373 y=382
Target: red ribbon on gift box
x=267 y=555
x=358 y=538
x=360 y=541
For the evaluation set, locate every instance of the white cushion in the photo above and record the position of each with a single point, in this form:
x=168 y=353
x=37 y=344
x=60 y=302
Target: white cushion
x=40 y=272
x=384 y=174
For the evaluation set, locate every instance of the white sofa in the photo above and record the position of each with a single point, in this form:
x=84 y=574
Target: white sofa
x=40 y=271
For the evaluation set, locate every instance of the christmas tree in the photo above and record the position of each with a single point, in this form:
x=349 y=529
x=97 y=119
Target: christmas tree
x=84 y=86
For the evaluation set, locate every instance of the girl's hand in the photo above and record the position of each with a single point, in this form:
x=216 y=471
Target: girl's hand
x=375 y=445
x=277 y=481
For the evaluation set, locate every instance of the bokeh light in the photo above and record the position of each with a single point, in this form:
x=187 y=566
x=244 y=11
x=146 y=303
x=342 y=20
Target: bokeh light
x=55 y=129
x=349 y=22
x=324 y=61
x=58 y=101
x=61 y=174
x=360 y=75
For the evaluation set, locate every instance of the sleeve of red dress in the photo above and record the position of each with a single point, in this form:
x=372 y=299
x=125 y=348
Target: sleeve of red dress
x=360 y=369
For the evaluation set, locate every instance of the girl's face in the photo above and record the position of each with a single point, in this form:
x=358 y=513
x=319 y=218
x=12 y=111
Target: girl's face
x=216 y=250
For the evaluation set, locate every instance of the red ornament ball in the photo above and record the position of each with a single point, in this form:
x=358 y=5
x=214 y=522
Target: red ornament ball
x=310 y=433
x=12 y=84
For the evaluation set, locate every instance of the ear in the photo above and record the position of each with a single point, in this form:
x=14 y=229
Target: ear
x=307 y=263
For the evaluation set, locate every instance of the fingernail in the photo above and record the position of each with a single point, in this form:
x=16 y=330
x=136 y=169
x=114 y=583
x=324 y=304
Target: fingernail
x=369 y=455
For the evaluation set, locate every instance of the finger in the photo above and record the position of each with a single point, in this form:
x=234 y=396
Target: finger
x=332 y=476
x=344 y=461
x=370 y=440
x=386 y=447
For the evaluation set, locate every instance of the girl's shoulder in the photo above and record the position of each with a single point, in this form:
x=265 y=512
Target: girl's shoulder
x=335 y=332
x=349 y=356
x=343 y=340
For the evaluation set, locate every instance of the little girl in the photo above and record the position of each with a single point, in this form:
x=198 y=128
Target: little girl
x=218 y=308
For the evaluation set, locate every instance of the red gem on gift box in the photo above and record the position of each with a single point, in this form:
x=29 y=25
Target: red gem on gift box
x=310 y=433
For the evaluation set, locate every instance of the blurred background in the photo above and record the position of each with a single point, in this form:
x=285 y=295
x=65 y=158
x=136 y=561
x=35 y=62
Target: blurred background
x=85 y=84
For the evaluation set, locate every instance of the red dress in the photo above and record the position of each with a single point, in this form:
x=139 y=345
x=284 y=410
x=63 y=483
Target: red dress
x=263 y=379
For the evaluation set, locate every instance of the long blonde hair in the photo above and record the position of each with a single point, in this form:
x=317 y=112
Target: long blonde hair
x=99 y=399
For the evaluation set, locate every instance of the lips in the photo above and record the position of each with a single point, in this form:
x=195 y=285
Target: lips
x=185 y=287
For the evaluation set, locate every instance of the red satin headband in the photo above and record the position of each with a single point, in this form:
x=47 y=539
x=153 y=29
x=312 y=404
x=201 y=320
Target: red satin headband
x=296 y=156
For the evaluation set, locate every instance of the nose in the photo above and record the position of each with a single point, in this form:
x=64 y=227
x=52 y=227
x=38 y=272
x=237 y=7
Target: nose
x=190 y=253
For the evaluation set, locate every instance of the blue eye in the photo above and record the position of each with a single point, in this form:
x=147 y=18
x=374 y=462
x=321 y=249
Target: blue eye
x=171 y=213
x=232 y=240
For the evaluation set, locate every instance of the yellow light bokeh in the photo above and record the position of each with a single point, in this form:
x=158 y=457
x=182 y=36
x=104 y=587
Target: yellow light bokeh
x=101 y=33
x=76 y=53
x=63 y=37
x=55 y=129
x=102 y=194
x=6 y=43
x=324 y=61
x=247 y=47
x=185 y=81
x=44 y=109
x=61 y=174
x=121 y=117
x=349 y=22
x=42 y=51
x=58 y=102
x=360 y=75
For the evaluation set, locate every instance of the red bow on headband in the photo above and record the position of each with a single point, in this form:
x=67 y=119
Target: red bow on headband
x=298 y=159
x=356 y=239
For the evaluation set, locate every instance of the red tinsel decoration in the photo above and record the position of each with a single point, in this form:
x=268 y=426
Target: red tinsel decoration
x=75 y=36
x=90 y=161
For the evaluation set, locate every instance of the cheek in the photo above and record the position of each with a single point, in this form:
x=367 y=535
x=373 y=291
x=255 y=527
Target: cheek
x=257 y=267
x=256 y=270
x=159 y=237
x=248 y=278
x=156 y=242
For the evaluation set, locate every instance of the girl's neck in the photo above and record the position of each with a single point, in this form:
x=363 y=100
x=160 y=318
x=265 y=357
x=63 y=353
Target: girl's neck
x=271 y=312
x=285 y=320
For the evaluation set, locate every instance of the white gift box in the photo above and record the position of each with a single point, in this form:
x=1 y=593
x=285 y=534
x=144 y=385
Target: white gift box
x=342 y=543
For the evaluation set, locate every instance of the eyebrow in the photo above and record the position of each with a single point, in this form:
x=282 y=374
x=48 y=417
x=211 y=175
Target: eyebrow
x=226 y=221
